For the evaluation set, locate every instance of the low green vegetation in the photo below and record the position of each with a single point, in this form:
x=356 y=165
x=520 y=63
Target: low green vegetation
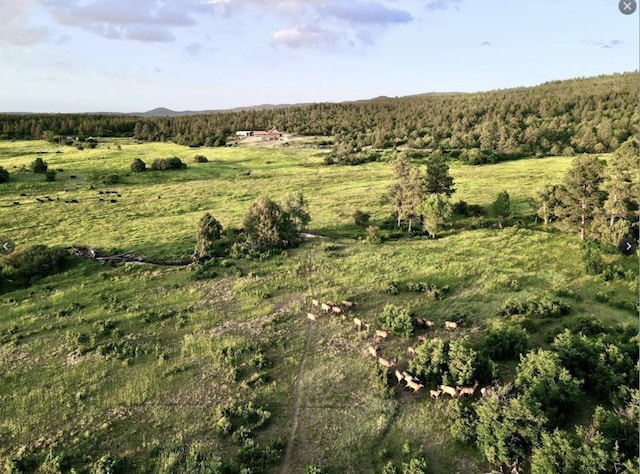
x=215 y=365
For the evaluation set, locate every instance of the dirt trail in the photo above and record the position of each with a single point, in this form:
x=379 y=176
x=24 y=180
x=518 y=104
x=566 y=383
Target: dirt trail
x=286 y=463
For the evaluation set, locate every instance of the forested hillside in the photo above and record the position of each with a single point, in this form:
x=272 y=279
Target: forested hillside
x=589 y=115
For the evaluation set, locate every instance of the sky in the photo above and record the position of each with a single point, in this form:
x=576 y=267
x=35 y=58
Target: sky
x=135 y=55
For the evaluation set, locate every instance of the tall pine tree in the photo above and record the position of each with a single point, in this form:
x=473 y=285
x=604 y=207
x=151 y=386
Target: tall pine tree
x=580 y=195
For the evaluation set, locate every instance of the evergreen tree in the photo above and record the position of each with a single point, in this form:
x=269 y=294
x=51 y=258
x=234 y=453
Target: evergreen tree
x=501 y=207
x=548 y=203
x=436 y=210
x=209 y=231
x=267 y=225
x=580 y=195
x=622 y=183
x=438 y=180
x=296 y=206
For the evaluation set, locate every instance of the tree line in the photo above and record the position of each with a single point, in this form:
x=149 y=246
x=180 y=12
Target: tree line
x=596 y=199
x=586 y=115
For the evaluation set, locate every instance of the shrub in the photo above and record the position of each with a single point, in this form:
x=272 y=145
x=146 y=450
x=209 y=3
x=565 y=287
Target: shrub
x=164 y=164
x=138 y=166
x=361 y=218
x=373 y=235
x=397 y=319
x=504 y=343
x=4 y=175
x=200 y=159
x=268 y=226
x=25 y=266
x=50 y=176
x=209 y=231
x=108 y=178
x=39 y=166
x=544 y=308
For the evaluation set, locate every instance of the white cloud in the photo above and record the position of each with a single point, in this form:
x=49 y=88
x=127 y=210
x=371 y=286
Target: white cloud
x=14 y=26
x=304 y=37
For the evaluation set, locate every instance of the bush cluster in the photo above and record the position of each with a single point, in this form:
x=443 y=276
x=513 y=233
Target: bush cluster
x=138 y=166
x=461 y=208
x=397 y=319
x=545 y=308
x=164 y=164
x=200 y=159
x=429 y=289
x=24 y=267
x=4 y=175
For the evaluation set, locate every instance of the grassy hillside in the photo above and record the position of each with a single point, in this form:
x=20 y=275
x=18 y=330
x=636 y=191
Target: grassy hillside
x=141 y=362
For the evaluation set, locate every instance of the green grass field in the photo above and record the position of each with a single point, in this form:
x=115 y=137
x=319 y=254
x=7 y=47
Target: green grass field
x=137 y=360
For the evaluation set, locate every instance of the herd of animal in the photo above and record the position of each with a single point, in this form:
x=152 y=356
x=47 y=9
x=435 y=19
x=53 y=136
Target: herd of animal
x=72 y=201
x=372 y=350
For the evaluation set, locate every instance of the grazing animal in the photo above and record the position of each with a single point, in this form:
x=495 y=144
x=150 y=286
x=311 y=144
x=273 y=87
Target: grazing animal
x=113 y=200
x=15 y=203
x=101 y=199
x=429 y=324
x=23 y=195
x=450 y=325
x=448 y=390
x=72 y=176
x=49 y=199
x=75 y=201
x=159 y=197
x=336 y=309
x=399 y=376
x=57 y=199
x=415 y=386
x=486 y=392
x=386 y=363
x=381 y=334
x=100 y=192
x=39 y=200
x=315 y=303
x=422 y=338
x=349 y=304
x=467 y=390
x=325 y=307
x=411 y=351
x=331 y=303
x=359 y=323
x=373 y=351
x=420 y=322
x=311 y=316
x=435 y=393
x=410 y=378
x=119 y=195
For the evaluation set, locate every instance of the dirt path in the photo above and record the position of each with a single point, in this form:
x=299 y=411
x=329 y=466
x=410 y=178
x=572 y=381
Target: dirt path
x=286 y=463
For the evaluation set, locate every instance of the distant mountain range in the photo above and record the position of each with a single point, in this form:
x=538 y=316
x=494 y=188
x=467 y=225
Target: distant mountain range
x=165 y=112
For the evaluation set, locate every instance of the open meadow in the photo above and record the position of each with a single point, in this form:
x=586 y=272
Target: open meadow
x=156 y=369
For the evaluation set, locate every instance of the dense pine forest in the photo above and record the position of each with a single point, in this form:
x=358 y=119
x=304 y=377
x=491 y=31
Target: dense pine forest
x=587 y=115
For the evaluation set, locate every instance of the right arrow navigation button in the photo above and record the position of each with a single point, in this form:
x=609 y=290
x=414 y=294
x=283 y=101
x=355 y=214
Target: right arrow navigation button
x=628 y=246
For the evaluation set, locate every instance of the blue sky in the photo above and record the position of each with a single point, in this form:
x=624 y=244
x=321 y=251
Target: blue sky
x=135 y=55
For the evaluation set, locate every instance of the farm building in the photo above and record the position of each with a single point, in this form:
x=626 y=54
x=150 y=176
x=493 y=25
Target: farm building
x=272 y=134
x=244 y=133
